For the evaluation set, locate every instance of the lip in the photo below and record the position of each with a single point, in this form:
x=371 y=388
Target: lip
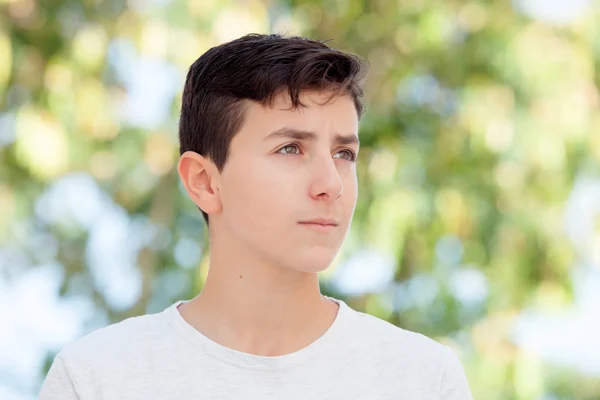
x=320 y=222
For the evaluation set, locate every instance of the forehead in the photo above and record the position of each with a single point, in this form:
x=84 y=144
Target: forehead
x=319 y=111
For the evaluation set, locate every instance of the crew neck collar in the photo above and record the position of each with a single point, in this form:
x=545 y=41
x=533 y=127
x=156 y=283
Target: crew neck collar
x=252 y=361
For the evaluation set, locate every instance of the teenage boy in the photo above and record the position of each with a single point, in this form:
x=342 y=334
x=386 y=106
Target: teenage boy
x=268 y=140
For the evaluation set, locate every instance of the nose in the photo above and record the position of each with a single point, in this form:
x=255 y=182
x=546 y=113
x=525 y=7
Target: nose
x=326 y=183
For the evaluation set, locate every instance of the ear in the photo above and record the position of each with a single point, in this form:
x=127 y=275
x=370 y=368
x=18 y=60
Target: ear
x=201 y=180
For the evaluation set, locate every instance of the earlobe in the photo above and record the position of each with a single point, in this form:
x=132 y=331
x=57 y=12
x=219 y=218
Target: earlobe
x=200 y=178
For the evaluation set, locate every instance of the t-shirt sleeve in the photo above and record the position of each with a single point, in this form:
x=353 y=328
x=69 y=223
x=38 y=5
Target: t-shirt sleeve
x=454 y=381
x=58 y=383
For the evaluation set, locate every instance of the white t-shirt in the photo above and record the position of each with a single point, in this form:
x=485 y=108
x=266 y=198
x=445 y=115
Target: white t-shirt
x=161 y=356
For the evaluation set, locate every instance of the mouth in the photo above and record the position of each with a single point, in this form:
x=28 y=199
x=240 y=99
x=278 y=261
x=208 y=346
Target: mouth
x=320 y=224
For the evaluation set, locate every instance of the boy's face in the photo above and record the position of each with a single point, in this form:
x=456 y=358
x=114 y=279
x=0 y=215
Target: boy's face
x=288 y=189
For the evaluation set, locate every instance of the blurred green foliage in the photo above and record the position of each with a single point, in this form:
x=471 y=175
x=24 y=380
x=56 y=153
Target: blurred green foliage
x=478 y=121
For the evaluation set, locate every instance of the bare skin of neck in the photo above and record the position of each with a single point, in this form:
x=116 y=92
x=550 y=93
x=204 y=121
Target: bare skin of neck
x=259 y=309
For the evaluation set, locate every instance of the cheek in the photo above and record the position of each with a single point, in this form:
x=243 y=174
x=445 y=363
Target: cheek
x=258 y=196
x=350 y=193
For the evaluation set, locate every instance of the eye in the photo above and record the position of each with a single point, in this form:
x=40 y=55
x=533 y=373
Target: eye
x=291 y=149
x=349 y=155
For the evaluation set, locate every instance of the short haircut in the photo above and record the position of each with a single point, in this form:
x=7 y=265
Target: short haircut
x=258 y=67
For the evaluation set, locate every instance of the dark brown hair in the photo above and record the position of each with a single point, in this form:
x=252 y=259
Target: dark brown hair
x=257 y=67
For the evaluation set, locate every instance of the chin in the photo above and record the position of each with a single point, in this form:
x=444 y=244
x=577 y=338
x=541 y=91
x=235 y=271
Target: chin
x=314 y=260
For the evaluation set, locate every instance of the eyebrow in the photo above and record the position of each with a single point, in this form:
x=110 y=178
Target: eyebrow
x=298 y=134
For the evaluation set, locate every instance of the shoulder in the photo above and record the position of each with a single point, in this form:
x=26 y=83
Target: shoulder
x=412 y=355
x=391 y=338
x=131 y=337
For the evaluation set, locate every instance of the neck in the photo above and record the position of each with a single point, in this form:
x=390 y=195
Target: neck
x=251 y=306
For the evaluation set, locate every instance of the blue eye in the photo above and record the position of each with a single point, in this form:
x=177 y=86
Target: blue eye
x=293 y=149
x=286 y=149
x=350 y=155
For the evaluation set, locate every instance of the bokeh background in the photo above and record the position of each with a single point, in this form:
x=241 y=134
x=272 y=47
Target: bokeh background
x=478 y=222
